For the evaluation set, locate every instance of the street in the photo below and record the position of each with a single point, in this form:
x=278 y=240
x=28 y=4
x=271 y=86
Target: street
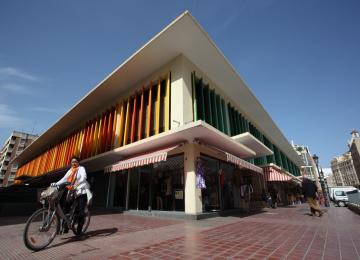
x=282 y=233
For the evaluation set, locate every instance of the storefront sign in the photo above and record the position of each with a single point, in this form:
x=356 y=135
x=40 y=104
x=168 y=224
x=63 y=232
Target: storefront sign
x=179 y=194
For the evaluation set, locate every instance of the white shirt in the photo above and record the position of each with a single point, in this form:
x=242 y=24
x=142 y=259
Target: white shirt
x=80 y=181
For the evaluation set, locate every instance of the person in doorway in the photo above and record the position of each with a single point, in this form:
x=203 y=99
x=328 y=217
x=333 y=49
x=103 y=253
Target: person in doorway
x=158 y=197
x=168 y=193
x=275 y=198
x=77 y=190
x=310 y=191
x=266 y=198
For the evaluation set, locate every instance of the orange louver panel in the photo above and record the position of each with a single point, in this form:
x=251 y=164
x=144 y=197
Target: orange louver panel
x=53 y=158
x=72 y=149
x=103 y=132
x=167 y=104
x=157 y=108
x=133 y=120
x=31 y=167
x=94 y=138
x=81 y=141
x=120 y=125
x=63 y=154
x=68 y=151
x=108 y=131
x=113 y=133
x=141 y=111
x=36 y=167
x=85 y=141
x=89 y=140
x=148 y=121
x=127 y=123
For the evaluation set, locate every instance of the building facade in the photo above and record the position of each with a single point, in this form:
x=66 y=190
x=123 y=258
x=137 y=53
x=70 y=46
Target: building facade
x=354 y=148
x=343 y=170
x=309 y=164
x=173 y=128
x=13 y=146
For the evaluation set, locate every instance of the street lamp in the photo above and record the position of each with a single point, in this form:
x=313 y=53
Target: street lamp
x=322 y=182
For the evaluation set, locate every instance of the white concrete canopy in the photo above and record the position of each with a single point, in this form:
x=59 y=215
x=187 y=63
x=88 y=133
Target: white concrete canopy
x=253 y=143
x=194 y=131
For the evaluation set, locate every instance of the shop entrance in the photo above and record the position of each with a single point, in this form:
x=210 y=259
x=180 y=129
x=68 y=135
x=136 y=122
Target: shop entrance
x=139 y=188
x=158 y=186
x=117 y=189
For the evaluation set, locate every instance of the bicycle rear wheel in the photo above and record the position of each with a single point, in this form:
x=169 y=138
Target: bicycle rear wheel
x=41 y=229
x=85 y=226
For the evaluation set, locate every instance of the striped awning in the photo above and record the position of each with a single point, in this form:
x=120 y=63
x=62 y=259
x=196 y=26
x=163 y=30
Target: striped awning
x=242 y=163
x=273 y=174
x=145 y=159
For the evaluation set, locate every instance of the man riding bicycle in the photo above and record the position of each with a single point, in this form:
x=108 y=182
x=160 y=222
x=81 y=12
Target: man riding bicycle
x=76 y=176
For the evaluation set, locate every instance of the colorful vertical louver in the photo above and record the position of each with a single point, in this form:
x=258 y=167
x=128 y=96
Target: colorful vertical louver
x=142 y=115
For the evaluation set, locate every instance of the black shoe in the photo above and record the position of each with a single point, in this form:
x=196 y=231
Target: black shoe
x=66 y=230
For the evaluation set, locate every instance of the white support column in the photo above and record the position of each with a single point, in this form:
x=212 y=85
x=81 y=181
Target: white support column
x=193 y=200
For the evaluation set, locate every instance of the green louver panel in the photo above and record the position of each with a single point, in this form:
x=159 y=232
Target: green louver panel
x=277 y=157
x=230 y=119
x=223 y=111
x=198 y=98
x=207 y=107
x=236 y=122
x=219 y=113
x=203 y=117
x=195 y=100
x=241 y=124
x=213 y=108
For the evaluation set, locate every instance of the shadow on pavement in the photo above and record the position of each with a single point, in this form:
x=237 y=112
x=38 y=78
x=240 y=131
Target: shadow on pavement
x=6 y=221
x=94 y=233
x=240 y=214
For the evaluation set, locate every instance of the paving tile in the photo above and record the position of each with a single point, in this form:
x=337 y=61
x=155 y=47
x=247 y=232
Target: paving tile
x=286 y=233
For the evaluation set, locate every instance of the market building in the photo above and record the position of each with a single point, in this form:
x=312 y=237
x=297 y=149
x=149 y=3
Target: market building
x=173 y=128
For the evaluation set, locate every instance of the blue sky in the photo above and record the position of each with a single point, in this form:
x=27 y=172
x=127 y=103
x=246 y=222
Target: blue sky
x=301 y=59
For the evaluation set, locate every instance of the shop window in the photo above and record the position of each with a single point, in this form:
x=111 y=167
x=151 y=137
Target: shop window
x=158 y=186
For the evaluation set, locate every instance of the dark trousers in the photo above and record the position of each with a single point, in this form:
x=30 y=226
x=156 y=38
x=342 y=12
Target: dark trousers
x=81 y=205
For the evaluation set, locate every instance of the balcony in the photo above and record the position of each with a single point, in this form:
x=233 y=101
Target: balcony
x=12 y=141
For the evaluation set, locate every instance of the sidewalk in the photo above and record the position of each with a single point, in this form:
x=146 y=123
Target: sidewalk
x=282 y=233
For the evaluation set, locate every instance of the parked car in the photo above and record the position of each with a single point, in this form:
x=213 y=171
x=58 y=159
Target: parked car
x=338 y=194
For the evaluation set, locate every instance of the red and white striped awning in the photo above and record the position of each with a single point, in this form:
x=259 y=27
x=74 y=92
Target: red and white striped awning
x=140 y=160
x=242 y=163
x=273 y=174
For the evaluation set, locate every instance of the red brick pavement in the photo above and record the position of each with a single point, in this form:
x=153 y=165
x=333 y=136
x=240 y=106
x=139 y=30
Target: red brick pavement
x=282 y=233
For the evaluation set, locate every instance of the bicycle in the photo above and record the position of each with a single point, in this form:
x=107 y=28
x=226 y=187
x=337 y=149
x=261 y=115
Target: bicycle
x=44 y=224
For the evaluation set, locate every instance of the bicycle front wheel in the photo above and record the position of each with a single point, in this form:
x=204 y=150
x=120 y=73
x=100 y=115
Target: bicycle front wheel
x=41 y=229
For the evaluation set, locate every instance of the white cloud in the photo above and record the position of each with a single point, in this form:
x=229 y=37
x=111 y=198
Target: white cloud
x=8 y=117
x=9 y=72
x=15 y=88
x=46 y=109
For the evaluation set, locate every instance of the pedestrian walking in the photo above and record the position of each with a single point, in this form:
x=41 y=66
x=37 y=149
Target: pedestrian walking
x=310 y=191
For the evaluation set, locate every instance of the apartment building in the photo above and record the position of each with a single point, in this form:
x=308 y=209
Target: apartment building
x=344 y=171
x=13 y=146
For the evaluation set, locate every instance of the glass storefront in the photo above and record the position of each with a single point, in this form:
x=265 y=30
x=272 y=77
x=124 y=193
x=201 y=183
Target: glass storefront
x=228 y=187
x=158 y=186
